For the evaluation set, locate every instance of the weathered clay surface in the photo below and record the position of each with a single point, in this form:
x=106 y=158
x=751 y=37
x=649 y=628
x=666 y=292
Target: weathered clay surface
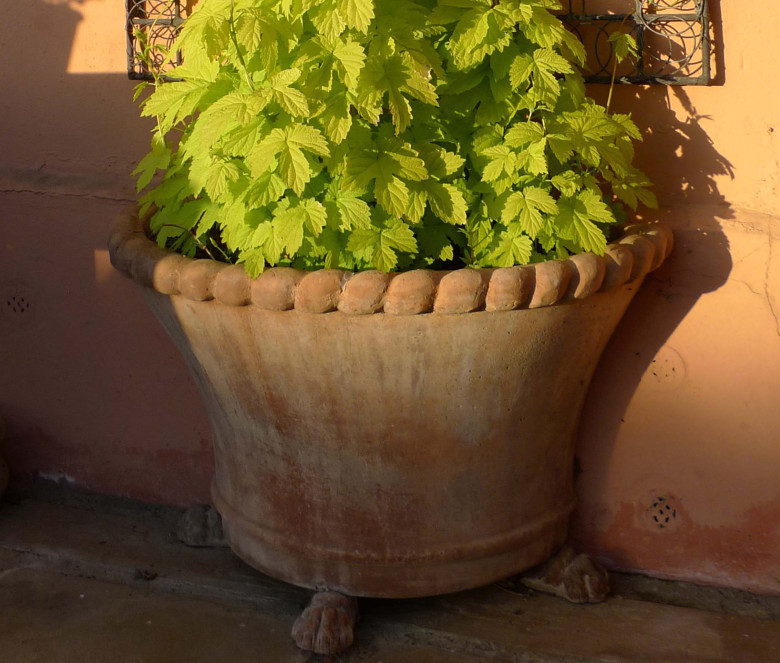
x=587 y=275
x=327 y=625
x=275 y=288
x=461 y=291
x=393 y=435
x=576 y=578
x=364 y=293
x=510 y=288
x=232 y=286
x=619 y=261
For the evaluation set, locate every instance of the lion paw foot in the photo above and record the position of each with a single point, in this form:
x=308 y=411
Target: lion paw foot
x=327 y=624
x=576 y=578
x=201 y=526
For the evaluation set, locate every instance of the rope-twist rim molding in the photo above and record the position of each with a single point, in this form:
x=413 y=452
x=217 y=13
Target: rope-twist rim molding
x=642 y=249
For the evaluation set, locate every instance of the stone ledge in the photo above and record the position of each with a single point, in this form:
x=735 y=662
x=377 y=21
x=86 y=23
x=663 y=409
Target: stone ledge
x=118 y=562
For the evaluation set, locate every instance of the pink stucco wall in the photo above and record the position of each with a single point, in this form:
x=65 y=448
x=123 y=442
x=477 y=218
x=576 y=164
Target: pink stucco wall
x=92 y=390
x=683 y=406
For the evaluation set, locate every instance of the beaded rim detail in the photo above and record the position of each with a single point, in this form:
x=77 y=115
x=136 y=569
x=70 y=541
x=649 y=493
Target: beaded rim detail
x=642 y=249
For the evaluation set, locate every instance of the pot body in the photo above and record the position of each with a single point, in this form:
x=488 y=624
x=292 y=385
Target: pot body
x=392 y=435
x=388 y=455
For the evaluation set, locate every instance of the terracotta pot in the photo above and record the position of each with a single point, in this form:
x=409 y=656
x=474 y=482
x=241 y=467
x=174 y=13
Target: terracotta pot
x=392 y=435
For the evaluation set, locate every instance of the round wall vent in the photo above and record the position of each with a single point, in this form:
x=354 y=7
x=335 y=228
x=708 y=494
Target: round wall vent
x=663 y=512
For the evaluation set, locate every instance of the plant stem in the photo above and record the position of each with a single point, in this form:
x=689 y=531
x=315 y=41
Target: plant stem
x=614 y=70
x=241 y=60
x=185 y=231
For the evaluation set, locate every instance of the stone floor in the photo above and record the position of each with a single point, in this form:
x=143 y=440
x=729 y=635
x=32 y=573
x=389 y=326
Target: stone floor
x=95 y=579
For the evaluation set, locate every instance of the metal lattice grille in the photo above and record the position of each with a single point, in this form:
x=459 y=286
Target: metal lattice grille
x=673 y=40
x=672 y=37
x=152 y=26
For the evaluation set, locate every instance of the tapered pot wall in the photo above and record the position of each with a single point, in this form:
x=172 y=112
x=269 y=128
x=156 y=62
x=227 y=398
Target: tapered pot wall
x=391 y=455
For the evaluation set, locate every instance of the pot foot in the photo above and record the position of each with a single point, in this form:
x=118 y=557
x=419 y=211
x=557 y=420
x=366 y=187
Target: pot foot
x=327 y=624
x=576 y=578
x=201 y=527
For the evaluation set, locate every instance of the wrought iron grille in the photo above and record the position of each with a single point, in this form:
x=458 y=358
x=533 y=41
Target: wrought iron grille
x=672 y=37
x=673 y=40
x=152 y=26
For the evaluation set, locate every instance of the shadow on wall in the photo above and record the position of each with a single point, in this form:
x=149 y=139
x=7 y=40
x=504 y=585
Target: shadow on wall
x=682 y=160
x=76 y=363
x=60 y=122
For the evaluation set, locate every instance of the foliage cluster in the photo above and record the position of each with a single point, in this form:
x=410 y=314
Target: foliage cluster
x=383 y=134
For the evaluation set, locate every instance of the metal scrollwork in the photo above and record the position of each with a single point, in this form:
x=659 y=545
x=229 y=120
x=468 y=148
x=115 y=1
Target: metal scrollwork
x=673 y=41
x=152 y=26
x=672 y=36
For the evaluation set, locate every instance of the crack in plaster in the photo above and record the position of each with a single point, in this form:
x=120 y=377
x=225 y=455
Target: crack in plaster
x=764 y=293
x=85 y=185
x=768 y=280
x=72 y=194
x=760 y=293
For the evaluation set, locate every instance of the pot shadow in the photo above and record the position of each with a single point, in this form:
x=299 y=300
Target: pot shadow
x=679 y=156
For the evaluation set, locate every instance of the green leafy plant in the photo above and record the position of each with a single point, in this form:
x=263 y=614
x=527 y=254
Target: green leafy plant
x=383 y=134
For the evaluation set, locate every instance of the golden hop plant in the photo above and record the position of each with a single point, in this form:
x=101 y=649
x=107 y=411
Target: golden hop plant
x=383 y=134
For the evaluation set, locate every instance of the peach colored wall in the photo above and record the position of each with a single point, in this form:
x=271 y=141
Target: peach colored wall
x=682 y=407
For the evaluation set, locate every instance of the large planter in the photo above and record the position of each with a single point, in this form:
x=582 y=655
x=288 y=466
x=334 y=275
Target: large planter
x=392 y=435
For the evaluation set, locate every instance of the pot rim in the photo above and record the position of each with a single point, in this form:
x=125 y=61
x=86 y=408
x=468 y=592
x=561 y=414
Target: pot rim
x=640 y=250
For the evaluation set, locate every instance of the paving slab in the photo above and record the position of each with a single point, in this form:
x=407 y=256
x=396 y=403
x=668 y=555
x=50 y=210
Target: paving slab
x=89 y=578
x=51 y=617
